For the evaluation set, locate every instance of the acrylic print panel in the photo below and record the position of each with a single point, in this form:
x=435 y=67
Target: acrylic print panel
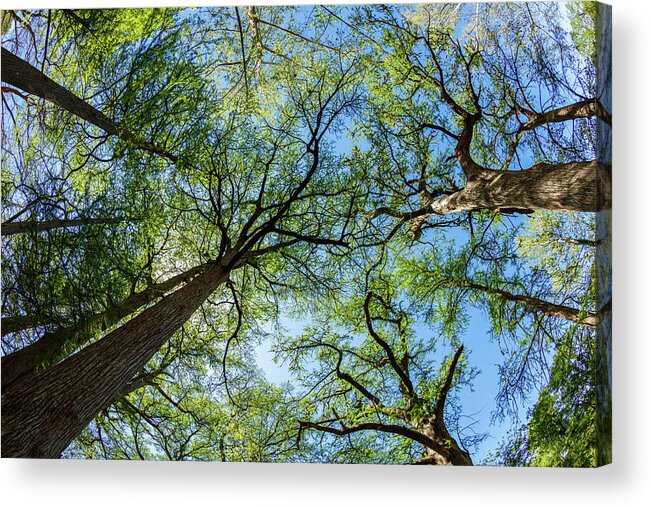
x=324 y=234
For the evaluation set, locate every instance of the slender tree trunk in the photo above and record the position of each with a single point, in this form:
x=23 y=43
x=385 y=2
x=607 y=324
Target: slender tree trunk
x=19 y=73
x=55 y=346
x=578 y=241
x=11 y=228
x=42 y=414
x=17 y=323
x=584 y=109
x=550 y=309
x=577 y=186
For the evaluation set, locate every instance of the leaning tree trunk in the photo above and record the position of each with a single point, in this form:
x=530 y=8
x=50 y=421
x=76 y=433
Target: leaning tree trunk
x=54 y=346
x=19 y=73
x=11 y=228
x=577 y=186
x=20 y=323
x=42 y=414
x=588 y=108
x=545 y=307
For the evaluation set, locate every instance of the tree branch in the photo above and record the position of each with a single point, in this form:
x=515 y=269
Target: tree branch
x=440 y=402
x=404 y=377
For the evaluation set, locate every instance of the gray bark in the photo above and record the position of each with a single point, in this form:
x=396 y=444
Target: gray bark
x=577 y=186
x=583 y=109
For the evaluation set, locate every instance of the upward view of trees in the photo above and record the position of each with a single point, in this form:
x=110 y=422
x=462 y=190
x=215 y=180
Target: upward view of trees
x=385 y=198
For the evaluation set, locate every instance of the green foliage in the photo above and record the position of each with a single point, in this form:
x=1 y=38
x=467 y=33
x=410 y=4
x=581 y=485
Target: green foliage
x=562 y=245
x=307 y=145
x=561 y=431
x=583 y=20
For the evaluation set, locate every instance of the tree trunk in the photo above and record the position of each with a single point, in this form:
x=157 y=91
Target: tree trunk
x=577 y=186
x=11 y=228
x=28 y=78
x=19 y=323
x=42 y=414
x=455 y=456
x=584 y=109
x=56 y=345
x=550 y=309
x=446 y=450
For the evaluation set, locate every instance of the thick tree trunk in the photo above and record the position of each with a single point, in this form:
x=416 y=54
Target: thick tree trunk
x=56 y=345
x=42 y=414
x=435 y=429
x=550 y=309
x=11 y=228
x=577 y=186
x=19 y=73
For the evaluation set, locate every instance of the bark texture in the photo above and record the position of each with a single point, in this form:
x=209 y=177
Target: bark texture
x=452 y=454
x=42 y=414
x=24 y=76
x=577 y=186
x=56 y=345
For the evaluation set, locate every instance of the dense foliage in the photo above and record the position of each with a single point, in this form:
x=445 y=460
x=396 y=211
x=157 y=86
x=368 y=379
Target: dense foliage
x=398 y=201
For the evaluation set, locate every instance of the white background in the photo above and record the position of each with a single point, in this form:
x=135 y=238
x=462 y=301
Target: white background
x=626 y=482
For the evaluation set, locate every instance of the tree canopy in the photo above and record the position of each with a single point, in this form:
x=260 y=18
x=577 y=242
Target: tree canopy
x=396 y=202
